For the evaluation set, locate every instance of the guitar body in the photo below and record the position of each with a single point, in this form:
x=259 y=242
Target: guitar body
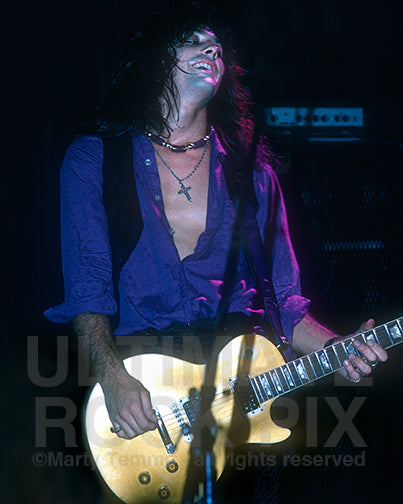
x=143 y=470
x=251 y=373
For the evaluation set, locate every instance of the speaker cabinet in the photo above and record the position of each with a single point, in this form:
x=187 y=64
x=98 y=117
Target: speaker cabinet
x=344 y=204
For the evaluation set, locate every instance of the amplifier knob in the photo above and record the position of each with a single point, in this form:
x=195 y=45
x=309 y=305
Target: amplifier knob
x=172 y=466
x=164 y=493
x=145 y=478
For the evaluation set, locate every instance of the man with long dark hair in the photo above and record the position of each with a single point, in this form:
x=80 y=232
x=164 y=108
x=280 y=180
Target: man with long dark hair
x=178 y=96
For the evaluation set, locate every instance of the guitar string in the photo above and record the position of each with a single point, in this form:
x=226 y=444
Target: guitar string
x=171 y=416
x=170 y=419
x=218 y=403
x=221 y=396
x=175 y=430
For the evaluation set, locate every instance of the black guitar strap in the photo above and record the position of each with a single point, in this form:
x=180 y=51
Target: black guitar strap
x=239 y=180
x=258 y=265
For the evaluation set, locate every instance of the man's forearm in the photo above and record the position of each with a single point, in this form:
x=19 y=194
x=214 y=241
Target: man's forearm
x=95 y=336
x=310 y=336
x=127 y=401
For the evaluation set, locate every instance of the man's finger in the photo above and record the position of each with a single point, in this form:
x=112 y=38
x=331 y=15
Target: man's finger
x=380 y=352
x=368 y=324
x=127 y=431
x=351 y=371
x=148 y=408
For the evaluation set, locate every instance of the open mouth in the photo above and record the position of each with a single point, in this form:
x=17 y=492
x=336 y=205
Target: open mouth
x=204 y=65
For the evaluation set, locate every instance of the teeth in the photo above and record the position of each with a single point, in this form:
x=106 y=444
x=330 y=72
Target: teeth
x=203 y=65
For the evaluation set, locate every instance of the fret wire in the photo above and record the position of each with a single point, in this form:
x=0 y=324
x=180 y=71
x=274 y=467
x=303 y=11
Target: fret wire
x=360 y=337
x=388 y=334
x=382 y=336
x=395 y=332
x=295 y=374
x=256 y=390
x=271 y=384
x=266 y=386
x=399 y=323
x=315 y=365
x=333 y=358
x=319 y=363
x=325 y=362
x=373 y=331
x=287 y=374
x=341 y=352
x=312 y=366
x=302 y=372
x=276 y=381
x=282 y=379
x=351 y=349
x=308 y=367
x=261 y=388
x=369 y=336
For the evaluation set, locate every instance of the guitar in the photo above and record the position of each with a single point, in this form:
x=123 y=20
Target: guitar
x=251 y=374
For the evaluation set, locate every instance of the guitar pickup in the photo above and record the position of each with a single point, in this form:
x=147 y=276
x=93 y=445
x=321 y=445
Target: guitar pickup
x=245 y=395
x=191 y=405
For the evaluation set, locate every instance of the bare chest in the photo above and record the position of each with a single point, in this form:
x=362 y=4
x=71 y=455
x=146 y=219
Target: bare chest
x=184 y=180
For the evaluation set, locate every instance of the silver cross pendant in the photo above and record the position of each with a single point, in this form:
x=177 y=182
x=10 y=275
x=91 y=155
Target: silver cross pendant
x=185 y=190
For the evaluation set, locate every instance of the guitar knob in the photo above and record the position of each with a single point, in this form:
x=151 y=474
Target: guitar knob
x=145 y=478
x=164 y=493
x=172 y=466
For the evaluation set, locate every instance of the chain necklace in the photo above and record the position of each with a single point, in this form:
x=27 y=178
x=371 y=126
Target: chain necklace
x=183 y=189
x=181 y=148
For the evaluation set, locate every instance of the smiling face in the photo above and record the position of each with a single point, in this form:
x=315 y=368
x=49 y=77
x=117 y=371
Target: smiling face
x=200 y=66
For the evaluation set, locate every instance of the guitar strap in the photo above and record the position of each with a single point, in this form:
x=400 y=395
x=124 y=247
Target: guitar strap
x=125 y=222
x=239 y=180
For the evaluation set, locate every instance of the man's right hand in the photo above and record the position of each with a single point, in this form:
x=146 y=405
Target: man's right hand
x=129 y=405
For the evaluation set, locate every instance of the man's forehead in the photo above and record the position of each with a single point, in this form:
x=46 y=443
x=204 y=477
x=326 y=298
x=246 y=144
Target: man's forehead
x=206 y=31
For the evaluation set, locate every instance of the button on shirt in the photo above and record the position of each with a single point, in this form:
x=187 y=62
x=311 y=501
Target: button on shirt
x=156 y=287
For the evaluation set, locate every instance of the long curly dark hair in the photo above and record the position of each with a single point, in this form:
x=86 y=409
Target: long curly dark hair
x=144 y=75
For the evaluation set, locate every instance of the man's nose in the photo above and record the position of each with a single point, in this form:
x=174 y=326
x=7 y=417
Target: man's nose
x=212 y=49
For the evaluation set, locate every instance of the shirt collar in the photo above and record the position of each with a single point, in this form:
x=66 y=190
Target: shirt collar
x=217 y=147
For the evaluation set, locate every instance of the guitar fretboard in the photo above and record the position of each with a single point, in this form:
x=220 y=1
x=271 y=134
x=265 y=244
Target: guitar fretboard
x=308 y=368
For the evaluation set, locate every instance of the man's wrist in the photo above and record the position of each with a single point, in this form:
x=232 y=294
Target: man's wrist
x=110 y=371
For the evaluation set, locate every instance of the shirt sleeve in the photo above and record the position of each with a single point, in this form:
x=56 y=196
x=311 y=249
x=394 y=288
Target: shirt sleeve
x=86 y=256
x=273 y=225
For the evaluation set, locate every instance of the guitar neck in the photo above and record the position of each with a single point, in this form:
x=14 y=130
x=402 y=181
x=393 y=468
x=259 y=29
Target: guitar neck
x=311 y=367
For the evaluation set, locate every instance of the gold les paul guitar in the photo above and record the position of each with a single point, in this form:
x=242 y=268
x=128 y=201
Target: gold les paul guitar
x=251 y=373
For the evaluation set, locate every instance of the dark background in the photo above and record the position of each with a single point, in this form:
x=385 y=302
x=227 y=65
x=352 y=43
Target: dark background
x=57 y=55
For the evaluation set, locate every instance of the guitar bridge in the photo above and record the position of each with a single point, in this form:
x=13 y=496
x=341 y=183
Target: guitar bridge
x=245 y=395
x=166 y=438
